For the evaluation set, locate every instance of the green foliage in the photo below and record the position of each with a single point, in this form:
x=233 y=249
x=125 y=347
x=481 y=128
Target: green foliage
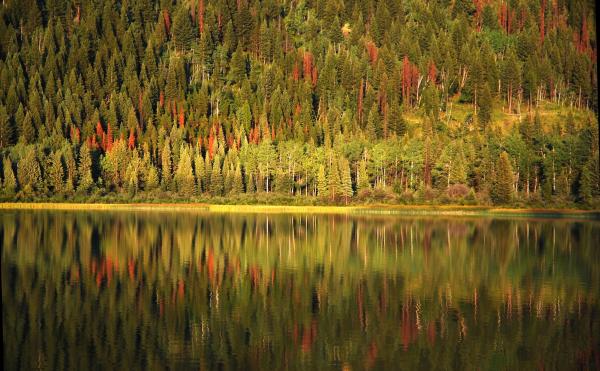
x=184 y=178
x=502 y=184
x=156 y=91
x=166 y=165
x=29 y=173
x=183 y=33
x=216 y=178
x=84 y=171
x=9 y=185
x=56 y=173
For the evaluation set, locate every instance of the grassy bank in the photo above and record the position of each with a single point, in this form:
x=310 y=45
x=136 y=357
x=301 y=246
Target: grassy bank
x=424 y=210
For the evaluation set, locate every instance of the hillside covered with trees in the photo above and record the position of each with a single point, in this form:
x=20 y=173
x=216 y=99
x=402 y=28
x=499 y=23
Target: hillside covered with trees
x=303 y=101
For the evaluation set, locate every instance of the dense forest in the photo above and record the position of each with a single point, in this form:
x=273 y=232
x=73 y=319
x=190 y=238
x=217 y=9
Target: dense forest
x=340 y=101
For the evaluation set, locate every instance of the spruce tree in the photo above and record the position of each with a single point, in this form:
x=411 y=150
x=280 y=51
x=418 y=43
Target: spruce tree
x=166 y=166
x=485 y=106
x=322 y=183
x=183 y=32
x=502 y=185
x=70 y=167
x=6 y=129
x=216 y=178
x=27 y=130
x=56 y=172
x=184 y=177
x=590 y=180
x=346 y=179
x=152 y=180
x=362 y=176
x=29 y=172
x=333 y=179
x=10 y=182
x=84 y=170
x=238 y=185
x=199 y=172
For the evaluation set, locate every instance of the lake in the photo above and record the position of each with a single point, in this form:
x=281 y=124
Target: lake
x=197 y=290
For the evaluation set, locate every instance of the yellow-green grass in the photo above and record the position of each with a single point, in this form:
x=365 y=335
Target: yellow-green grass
x=550 y=113
x=424 y=210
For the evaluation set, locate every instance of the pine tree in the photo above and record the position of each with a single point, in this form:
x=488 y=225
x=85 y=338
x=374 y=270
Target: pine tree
x=56 y=173
x=10 y=182
x=362 y=176
x=333 y=179
x=216 y=178
x=458 y=170
x=6 y=129
x=70 y=167
x=199 y=171
x=133 y=173
x=184 y=177
x=27 y=129
x=346 y=179
x=207 y=173
x=238 y=66
x=322 y=183
x=485 y=106
x=238 y=185
x=166 y=166
x=502 y=185
x=183 y=32
x=152 y=180
x=84 y=171
x=590 y=180
x=29 y=172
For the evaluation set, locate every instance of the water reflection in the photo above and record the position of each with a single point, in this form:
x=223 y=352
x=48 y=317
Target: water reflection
x=155 y=290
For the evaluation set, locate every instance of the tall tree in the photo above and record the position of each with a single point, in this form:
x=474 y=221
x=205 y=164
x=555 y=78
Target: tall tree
x=10 y=182
x=84 y=170
x=502 y=185
x=29 y=172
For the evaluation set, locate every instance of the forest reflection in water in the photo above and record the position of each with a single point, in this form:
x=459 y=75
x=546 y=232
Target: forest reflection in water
x=156 y=290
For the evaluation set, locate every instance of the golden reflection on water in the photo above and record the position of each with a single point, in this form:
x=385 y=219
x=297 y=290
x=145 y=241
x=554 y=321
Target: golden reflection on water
x=154 y=290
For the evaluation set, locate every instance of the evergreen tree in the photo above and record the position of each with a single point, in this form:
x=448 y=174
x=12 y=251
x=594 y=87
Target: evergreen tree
x=10 y=182
x=238 y=185
x=27 y=129
x=183 y=32
x=346 y=179
x=322 y=182
x=184 y=177
x=84 y=171
x=152 y=181
x=333 y=179
x=56 y=173
x=200 y=172
x=29 y=172
x=590 y=180
x=166 y=166
x=362 y=176
x=216 y=178
x=485 y=106
x=70 y=168
x=6 y=129
x=502 y=185
x=133 y=173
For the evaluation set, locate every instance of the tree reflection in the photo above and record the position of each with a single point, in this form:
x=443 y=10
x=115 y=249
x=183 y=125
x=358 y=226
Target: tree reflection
x=154 y=290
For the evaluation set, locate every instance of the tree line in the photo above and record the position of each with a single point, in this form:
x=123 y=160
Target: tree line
x=339 y=100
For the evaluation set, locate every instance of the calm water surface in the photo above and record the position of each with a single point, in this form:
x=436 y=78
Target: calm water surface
x=159 y=290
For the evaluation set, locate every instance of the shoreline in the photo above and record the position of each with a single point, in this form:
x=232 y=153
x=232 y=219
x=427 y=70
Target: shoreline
x=401 y=210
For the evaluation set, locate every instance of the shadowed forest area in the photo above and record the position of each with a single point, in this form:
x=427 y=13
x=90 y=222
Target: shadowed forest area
x=300 y=102
x=156 y=290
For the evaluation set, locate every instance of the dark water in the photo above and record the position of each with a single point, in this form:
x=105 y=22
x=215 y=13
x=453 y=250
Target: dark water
x=156 y=290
